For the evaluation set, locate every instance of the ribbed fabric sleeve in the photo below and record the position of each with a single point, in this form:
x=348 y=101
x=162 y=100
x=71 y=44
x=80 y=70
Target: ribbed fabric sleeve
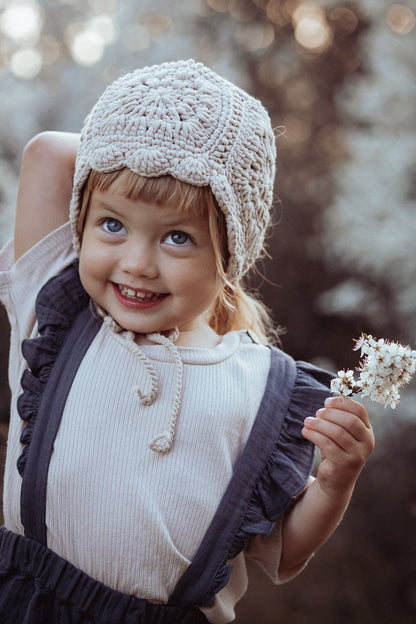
x=20 y=283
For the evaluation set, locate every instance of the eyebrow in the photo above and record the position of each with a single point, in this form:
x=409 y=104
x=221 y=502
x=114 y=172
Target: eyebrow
x=102 y=205
x=175 y=222
x=181 y=221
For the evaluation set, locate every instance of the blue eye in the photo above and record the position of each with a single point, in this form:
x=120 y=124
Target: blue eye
x=178 y=238
x=113 y=226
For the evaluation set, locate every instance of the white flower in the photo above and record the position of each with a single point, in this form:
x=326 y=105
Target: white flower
x=384 y=368
x=344 y=384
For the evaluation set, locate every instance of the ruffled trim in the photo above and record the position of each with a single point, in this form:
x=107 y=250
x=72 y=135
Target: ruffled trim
x=287 y=470
x=58 y=304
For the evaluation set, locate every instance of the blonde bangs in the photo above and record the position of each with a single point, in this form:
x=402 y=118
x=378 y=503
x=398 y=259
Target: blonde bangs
x=162 y=190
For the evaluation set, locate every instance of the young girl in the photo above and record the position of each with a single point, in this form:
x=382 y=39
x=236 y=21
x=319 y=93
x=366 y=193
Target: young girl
x=155 y=439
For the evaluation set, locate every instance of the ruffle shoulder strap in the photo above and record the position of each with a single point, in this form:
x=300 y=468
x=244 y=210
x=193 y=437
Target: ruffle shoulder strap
x=58 y=304
x=272 y=470
x=290 y=463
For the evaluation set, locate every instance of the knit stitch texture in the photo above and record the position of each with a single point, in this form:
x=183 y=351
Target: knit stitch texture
x=182 y=119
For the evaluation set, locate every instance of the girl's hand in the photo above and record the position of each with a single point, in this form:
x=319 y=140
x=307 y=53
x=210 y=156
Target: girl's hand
x=342 y=432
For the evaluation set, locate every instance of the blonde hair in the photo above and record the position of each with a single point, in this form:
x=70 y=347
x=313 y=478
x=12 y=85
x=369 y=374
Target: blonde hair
x=234 y=308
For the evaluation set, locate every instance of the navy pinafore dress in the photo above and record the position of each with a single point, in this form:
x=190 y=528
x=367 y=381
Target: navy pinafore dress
x=39 y=587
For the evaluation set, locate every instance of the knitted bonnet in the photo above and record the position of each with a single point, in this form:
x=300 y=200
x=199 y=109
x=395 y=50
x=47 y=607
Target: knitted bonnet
x=182 y=119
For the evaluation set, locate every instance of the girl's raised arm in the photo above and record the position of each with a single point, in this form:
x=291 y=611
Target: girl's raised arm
x=45 y=187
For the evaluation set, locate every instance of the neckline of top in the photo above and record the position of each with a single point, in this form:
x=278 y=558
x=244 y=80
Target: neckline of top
x=226 y=348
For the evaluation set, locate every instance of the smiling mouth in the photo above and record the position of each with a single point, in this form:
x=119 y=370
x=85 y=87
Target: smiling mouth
x=140 y=295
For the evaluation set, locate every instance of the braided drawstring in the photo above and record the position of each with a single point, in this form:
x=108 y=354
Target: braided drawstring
x=163 y=442
x=128 y=341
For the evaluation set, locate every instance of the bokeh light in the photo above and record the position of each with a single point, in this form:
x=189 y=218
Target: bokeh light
x=87 y=41
x=401 y=19
x=311 y=28
x=254 y=36
x=105 y=28
x=26 y=63
x=344 y=20
x=158 y=24
x=87 y=47
x=22 y=21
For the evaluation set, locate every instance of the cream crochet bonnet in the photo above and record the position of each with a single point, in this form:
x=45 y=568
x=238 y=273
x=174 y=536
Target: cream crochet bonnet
x=182 y=119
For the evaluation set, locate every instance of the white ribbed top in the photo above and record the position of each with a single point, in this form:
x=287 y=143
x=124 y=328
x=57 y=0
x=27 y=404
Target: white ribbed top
x=118 y=502
x=127 y=516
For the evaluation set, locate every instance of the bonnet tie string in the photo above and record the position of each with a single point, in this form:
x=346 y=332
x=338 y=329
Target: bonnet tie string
x=128 y=341
x=163 y=442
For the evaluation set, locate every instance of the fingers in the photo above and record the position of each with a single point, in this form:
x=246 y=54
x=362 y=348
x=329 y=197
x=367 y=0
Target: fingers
x=341 y=424
x=342 y=432
x=349 y=405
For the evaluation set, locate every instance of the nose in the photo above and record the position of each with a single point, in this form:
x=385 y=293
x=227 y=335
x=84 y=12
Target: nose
x=138 y=259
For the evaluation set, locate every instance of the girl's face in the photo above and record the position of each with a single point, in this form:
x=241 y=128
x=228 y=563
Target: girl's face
x=150 y=267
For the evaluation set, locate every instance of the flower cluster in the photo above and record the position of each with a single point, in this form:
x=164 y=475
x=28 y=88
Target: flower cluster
x=384 y=368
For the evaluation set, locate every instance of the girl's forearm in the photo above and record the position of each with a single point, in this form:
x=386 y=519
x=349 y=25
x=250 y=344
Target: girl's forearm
x=342 y=432
x=309 y=524
x=45 y=187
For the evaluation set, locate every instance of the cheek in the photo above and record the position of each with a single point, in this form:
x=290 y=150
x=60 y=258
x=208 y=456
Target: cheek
x=92 y=265
x=93 y=255
x=85 y=272
x=206 y=282
x=200 y=275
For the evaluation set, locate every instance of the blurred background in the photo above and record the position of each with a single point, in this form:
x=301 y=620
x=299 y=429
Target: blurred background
x=338 y=79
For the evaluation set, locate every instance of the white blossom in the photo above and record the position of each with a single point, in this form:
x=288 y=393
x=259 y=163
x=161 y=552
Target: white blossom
x=384 y=368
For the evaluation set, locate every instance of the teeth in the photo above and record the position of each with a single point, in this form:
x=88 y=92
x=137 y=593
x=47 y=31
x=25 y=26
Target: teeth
x=135 y=294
